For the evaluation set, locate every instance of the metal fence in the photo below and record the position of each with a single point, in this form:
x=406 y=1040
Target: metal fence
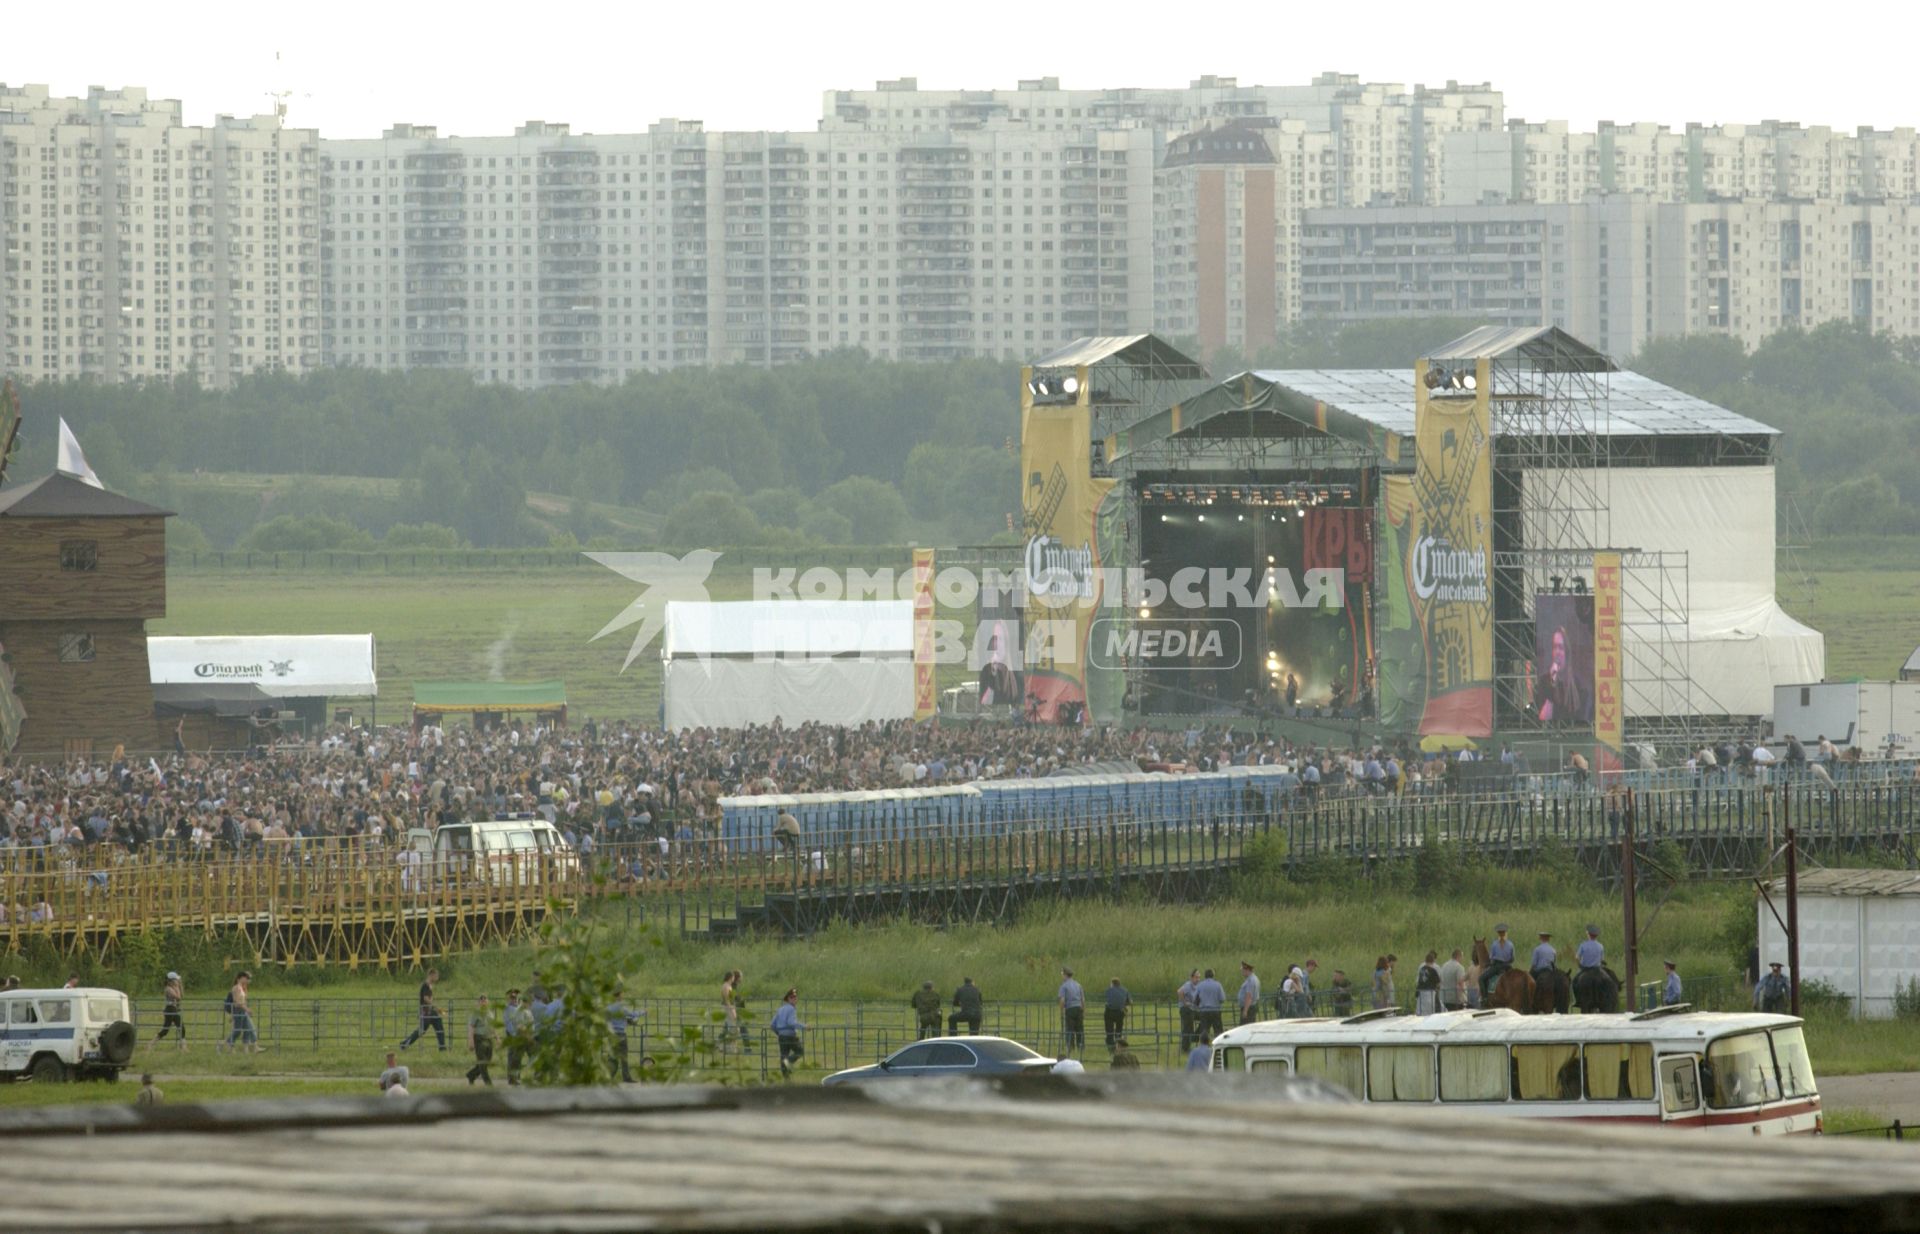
x=840 y=1032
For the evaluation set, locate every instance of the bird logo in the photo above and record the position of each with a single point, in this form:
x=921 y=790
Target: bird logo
x=280 y=668
x=663 y=579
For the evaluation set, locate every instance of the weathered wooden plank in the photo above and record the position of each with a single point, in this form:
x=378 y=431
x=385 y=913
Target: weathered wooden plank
x=1171 y=1152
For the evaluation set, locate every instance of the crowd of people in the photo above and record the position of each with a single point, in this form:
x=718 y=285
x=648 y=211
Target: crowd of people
x=598 y=783
x=619 y=781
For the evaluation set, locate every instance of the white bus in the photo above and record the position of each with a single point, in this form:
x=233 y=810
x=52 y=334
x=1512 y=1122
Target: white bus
x=1745 y=1072
x=520 y=849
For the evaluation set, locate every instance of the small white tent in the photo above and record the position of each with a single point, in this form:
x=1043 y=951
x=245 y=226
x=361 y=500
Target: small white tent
x=725 y=665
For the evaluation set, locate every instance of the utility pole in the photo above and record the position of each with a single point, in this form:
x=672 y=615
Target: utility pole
x=1629 y=894
x=1793 y=919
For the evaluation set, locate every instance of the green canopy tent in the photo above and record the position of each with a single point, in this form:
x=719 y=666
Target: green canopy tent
x=488 y=701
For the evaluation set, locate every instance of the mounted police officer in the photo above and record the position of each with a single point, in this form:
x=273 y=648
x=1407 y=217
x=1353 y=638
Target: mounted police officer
x=1499 y=961
x=1591 y=953
x=1544 y=956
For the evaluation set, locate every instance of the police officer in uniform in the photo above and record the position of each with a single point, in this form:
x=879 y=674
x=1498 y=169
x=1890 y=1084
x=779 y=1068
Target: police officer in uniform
x=1544 y=956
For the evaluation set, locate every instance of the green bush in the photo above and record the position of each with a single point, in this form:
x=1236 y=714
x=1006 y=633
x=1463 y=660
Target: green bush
x=1906 y=999
x=1822 y=997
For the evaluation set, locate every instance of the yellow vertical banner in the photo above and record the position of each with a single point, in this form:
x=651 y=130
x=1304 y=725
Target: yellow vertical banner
x=1450 y=553
x=1070 y=516
x=1609 y=678
x=926 y=698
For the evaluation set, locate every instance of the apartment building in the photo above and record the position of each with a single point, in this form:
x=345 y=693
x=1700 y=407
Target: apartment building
x=1624 y=269
x=1550 y=164
x=550 y=256
x=138 y=246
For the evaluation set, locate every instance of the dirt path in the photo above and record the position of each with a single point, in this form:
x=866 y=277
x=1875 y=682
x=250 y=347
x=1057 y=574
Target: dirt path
x=1890 y=1094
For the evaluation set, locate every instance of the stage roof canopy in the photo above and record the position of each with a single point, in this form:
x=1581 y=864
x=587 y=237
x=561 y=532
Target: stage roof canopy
x=460 y=696
x=1147 y=350
x=275 y=665
x=1546 y=347
x=1374 y=407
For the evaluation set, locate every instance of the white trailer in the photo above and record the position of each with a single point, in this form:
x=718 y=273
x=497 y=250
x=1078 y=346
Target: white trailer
x=1881 y=717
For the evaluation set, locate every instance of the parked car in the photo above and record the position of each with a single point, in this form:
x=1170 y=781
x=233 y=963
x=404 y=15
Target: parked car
x=949 y=1056
x=53 y=1035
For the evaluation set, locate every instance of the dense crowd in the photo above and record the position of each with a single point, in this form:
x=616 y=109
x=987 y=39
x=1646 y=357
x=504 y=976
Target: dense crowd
x=620 y=781
x=601 y=781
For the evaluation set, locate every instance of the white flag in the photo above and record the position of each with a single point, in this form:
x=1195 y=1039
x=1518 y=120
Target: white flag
x=71 y=461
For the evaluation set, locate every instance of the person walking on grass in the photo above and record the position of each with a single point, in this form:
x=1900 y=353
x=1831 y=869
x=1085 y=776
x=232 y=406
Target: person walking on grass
x=430 y=1016
x=480 y=1041
x=787 y=1028
x=243 y=1033
x=730 y=1009
x=1118 y=1000
x=170 y=1021
x=1073 y=1014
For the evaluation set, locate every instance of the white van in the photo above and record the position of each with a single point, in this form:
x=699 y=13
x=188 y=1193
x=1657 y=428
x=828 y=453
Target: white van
x=54 y=1035
x=523 y=849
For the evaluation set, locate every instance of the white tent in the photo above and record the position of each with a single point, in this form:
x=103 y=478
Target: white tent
x=277 y=665
x=725 y=665
x=1740 y=643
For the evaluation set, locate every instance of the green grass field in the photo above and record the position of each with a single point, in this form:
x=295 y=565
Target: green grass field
x=453 y=623
x=1864 y=595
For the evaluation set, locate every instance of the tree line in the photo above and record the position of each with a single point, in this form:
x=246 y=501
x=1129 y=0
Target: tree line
x=839 y=449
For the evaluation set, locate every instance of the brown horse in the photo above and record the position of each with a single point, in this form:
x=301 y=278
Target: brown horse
x=1514 y=990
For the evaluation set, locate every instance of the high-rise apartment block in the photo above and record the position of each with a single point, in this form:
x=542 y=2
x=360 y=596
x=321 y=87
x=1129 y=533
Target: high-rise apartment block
x=919 y=225
x=137 y=246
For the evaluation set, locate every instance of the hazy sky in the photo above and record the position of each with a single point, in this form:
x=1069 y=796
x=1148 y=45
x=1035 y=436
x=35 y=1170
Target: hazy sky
x=482 y=68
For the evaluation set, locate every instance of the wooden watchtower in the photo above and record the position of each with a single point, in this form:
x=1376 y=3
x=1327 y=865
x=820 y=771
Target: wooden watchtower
x=82 y=570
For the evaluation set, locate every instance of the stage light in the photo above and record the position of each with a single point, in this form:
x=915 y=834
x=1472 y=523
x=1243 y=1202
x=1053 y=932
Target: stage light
x=1144 y=612
x=1468 y=381
x=1436 y=377
x=1070 y=385
x=1269 y=558
x=1558 y=583
x=1203 y=518
x=1239 y=518
x=1579 y=586
x=1163 y=518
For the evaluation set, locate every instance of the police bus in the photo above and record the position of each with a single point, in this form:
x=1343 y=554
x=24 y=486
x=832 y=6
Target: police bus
x=1745 y=1071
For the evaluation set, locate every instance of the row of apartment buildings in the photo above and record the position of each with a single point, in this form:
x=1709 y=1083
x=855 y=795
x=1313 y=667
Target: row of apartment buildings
x=920 y=225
